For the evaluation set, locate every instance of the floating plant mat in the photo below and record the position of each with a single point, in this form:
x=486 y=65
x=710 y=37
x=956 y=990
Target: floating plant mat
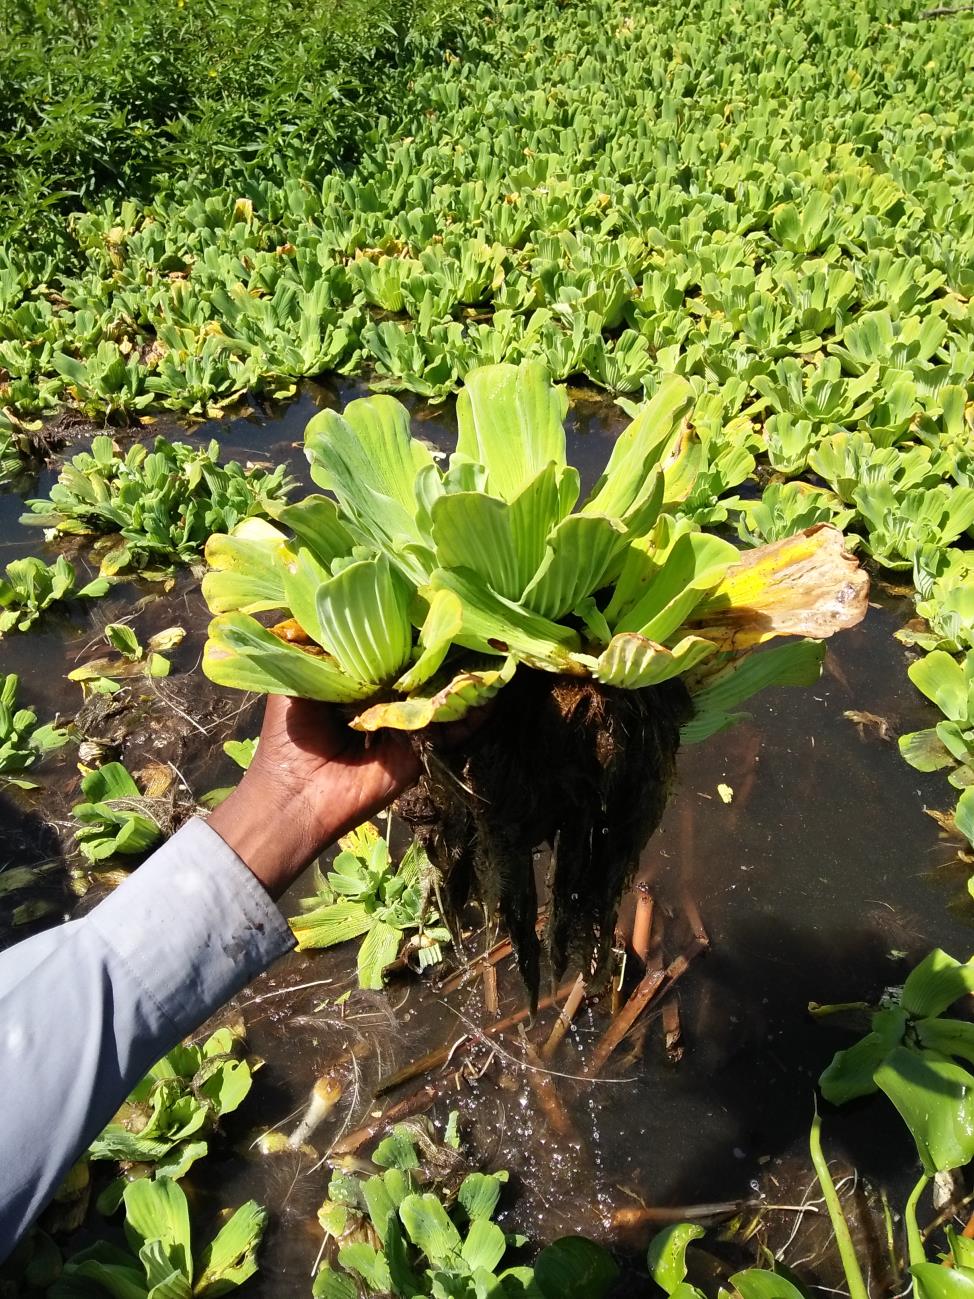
x=820 y=878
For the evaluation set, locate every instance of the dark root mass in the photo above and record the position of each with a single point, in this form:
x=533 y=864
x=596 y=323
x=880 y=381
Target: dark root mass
x=583 y=767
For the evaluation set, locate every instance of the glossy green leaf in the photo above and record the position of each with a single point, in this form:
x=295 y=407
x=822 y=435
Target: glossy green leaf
x=948 y=1037
x=935 y=1098
x=936 y=983
x=936 y=1282
x=575 y=1268
x=851 y=1071
x=667 y=1255
x=758 y=1283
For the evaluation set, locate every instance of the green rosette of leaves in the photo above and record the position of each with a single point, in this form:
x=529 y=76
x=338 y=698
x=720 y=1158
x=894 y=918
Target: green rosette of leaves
x=414 y=590
x=610 y=627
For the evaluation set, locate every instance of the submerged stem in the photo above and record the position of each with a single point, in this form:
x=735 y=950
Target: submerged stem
x=843 y=1237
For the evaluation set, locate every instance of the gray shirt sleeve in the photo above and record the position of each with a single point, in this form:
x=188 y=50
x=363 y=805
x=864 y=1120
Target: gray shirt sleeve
x=88 y=1007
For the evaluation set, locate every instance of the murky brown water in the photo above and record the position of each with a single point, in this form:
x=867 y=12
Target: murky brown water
x=822 y=879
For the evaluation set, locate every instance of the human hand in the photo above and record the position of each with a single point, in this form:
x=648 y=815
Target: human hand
x=312 y=780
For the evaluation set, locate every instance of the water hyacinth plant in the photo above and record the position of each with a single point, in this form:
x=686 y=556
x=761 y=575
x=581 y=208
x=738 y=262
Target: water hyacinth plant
x=415 y=593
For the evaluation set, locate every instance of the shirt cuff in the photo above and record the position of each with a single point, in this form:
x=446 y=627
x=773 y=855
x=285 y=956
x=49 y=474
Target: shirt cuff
x=193 y=925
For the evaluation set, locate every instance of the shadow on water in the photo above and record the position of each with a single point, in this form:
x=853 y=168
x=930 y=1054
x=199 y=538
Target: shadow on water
x=821 y=880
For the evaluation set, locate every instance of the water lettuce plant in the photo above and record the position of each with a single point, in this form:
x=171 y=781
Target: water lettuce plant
x=386 y=1234
x=157 y=505
x=115 y=817
x=365 y=895
x=159 y=1260
x=786 y=508
x=31 y=586
x=418 y=591
x=22 y=741
x=170 y=1115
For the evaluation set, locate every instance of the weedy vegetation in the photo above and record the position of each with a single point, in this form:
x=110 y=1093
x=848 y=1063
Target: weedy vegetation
x=387 y=905
x=156 y=507
x=115 y=817
x=753 y=230
x=22 y=741
x=167 y=1120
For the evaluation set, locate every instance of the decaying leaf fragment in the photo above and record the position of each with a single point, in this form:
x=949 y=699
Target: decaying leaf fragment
x=805 y=585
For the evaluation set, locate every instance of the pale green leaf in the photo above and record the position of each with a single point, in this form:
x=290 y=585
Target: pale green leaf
x=231 y=1257
x=648 y=441
x=632 y=661
x=936 y=983
x=447 y=703
x=364 y=621
x=942 y=679
x=326 y=926
x=245 y=569
x=316 y=522
x=429 y=1228
x=493 y=625
x=484 y=1246
x=925 y=751
x=109 y=782
x=157 y=1211
x=581 y=550
x=239 y=652
x=510 y=419
x=443 y=621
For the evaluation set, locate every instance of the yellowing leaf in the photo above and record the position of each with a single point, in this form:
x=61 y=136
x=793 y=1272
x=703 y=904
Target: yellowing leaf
x=805 y=585
x=467 y=690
